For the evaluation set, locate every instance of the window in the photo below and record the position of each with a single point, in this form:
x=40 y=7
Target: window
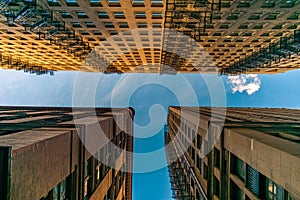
x=224 y=26
x=216 y=187
x=278 y=26
x=206 y=150
x=58 y=192
x=103 y=15
x=65 y=14
x=252 y=180
x=217 y=34
x=76 y=25
x=82 y=14
x=199 y=161
x=123 y=25
x=273 y=191
x=156 y=3
x=109 y=25
x=205 y=171
x=84 y=32
x=119 y=15
x=243 y=4
x=235 y=192
x=189 y=133
x=114 y=2
x=254 y=16
x=199 y=141
x=53 y=3
x=90 y=24
x=95 y=3
x=156 y=33
x=243 y=26
x=143 y=32
x=129 y=39
x=145 y=39
x=271 y=16
x=193 y=137
x=142 y=25
x=140 y=15
x=217 y=158
x=156 y=26
x=233 y=16
x=156 y=15
x=71 y=3
x=137 y=2
x=193 y=154
x=258 y=26
x=114 y=32
x=97 y=32
x=98 y=174
x=62 y=190
x=294 y=16
x=265 y=34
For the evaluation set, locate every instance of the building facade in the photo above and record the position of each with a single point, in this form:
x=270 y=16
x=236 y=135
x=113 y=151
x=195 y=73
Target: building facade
x=240 y=36
x=256 y=155
x=43 y=155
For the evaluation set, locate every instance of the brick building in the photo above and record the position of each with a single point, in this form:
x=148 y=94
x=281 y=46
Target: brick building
x=43 y=157
x=256 y=155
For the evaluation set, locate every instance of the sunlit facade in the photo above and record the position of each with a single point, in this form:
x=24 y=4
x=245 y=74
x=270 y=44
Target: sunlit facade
x=256 y=156
x=43 y=157
x=128 y=36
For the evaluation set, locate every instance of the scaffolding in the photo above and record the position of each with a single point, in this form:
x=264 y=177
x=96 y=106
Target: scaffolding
x=265 y=57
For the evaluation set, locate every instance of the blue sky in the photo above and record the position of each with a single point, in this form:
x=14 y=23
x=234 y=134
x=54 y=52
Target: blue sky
x=150 y=95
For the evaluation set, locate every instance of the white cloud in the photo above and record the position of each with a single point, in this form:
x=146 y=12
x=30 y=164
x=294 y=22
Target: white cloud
x=248 y=82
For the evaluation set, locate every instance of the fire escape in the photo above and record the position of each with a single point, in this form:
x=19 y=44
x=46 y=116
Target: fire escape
x=36 y=17
x=188 y=17
x=180 y=171
x=284 y=49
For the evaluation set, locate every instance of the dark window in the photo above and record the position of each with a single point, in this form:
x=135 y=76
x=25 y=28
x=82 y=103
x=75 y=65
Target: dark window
x=199 y=161
x=103 y=15
x=95 y=3
x=238 y=167
x=123 y=25
x=205 y=171
x=81 y=14
x=252 y=180
x=65 y=14
x=138 y=2
x=235 y=191
x=119 y=15
x=217 y=158
x=216 y=187
x=109 y=25
x=199 y=141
